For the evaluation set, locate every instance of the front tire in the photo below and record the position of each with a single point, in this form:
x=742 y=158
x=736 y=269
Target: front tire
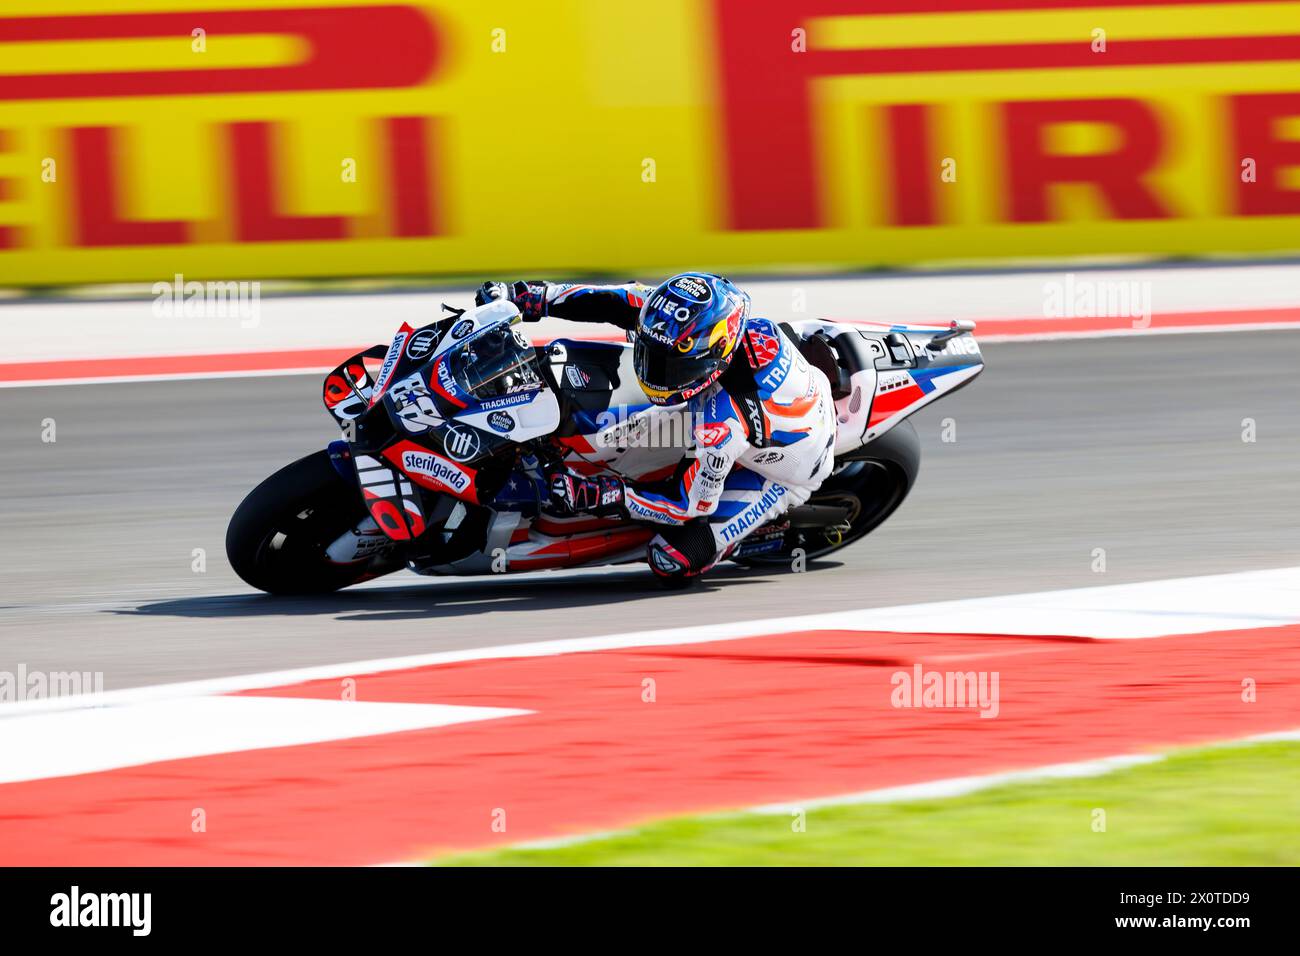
x=277 y=536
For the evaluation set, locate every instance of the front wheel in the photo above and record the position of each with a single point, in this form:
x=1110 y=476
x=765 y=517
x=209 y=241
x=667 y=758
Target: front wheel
x=867 y=489
x=277 y=536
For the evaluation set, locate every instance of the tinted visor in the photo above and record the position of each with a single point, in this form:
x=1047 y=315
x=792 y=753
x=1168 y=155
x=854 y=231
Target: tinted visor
x=664 y=368
x=495 y=363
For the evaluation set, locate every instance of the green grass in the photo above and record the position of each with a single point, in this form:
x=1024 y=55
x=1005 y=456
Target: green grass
x=1227 y=806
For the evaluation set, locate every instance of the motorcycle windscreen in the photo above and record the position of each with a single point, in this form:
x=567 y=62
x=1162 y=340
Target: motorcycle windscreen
x=498 y=362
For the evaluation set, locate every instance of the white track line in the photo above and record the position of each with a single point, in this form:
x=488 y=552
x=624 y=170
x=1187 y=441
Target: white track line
x=960 y=786
x=930 y=790
x=1155 y=329
x=91 y=740
x=1248 y=599
x=167 y=377
x=984 y=339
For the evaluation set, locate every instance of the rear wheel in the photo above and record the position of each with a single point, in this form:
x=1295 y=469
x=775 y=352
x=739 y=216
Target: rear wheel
x=277 y=537
x=866 y=490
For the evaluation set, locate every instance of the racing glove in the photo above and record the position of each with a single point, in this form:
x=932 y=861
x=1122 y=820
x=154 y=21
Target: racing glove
x=530 y=297
x=572 y=493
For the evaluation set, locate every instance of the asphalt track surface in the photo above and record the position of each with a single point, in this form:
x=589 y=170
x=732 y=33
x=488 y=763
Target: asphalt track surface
x=1132 y=445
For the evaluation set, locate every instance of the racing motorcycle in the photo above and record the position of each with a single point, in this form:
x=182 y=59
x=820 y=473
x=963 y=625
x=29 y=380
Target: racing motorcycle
x=448 y=433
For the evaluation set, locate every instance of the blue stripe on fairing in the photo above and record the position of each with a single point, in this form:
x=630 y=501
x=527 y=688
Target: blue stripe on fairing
x=588 y=424
x=586 y=421
x=925 y=377
x=525 y=495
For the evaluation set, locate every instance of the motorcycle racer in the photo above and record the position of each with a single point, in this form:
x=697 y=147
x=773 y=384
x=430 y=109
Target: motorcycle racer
x=764 y=422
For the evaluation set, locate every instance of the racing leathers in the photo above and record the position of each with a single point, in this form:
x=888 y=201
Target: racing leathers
x=763 y=437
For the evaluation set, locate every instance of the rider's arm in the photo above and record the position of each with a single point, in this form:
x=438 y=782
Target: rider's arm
x=696 y=487
x=615 y=304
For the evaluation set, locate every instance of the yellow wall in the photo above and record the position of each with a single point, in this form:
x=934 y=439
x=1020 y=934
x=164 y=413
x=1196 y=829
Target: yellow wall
x=539 y=152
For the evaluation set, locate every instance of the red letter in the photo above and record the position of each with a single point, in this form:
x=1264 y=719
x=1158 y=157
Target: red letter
x=98 y=218
x=1254 y=127
x=348 y=48
x=911 y=166
x=767 y=131
x=1118 y=174
x=767 y=87
x=410 y=169
x=257 y=216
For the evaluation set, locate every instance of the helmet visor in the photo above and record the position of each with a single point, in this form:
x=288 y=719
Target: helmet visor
x=662 y=369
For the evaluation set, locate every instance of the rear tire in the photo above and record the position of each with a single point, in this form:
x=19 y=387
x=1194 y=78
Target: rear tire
x=277 y=536
x=872 y=484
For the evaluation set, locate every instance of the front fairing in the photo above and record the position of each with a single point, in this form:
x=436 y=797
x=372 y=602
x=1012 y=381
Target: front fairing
x=413 y=413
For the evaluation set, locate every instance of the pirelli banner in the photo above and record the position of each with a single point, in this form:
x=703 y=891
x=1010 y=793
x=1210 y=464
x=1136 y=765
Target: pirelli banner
x=258 y=138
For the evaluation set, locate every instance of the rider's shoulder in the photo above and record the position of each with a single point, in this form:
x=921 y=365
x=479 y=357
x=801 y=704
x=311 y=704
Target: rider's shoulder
x=768 y=354
x=762 y=340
